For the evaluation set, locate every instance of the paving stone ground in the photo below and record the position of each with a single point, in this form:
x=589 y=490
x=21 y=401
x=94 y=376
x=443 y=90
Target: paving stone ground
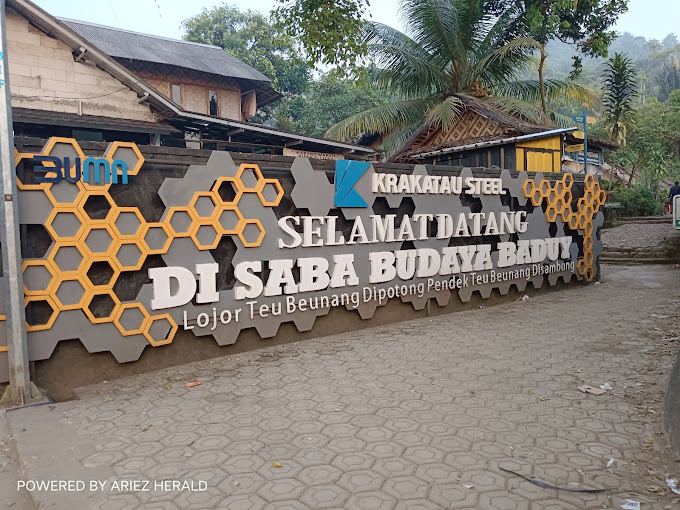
x=637 y=235
x=411 y=416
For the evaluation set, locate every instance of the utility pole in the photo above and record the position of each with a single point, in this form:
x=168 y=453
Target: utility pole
x=13 y=281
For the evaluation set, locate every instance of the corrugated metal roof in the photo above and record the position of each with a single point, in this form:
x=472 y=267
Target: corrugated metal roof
x=119 y=43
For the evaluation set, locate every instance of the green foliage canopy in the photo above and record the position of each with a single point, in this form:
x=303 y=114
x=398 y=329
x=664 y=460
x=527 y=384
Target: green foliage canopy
x=620 y=92
x=250 y=37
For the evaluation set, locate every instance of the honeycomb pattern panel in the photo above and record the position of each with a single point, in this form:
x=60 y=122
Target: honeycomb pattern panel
x=558 y=200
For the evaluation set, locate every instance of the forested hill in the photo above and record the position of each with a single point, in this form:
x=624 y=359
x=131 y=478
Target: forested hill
x=637 y=48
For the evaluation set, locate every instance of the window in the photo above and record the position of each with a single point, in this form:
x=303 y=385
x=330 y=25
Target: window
x=213 y=102
x=177 y=94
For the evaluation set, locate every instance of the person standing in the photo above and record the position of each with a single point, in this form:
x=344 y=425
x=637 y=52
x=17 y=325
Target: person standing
x=675 y=190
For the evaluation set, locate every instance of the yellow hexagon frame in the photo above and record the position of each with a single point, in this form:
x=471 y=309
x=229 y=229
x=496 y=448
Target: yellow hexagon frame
x=88 y=301
x=159 y=251
x=171 y=334
x=53 y=317
x=110 y=155
x=279 y=192
x=244 y=241
x=50 y=268
x=119 y=314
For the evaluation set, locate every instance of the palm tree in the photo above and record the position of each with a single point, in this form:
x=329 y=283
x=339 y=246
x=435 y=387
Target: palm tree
x=620 y=92
x=453 y=53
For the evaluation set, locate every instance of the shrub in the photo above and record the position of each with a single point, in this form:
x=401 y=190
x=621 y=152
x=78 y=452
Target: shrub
x=639 y=201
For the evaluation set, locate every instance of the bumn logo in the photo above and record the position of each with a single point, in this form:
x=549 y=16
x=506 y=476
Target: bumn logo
x=347 y=174
x=98 y=168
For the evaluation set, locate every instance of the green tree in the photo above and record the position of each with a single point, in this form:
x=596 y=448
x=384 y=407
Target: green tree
x=328 y=101
x=620 y=87
x=454 y=54
x=328 y=30
x=250 y=37
x=651 y=151
x=586 y=24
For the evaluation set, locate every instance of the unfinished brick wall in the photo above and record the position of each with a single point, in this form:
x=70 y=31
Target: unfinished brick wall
x=44 y=76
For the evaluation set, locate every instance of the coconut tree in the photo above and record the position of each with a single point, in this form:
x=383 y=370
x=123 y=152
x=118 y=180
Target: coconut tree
x=453 y=53
x=619 y=83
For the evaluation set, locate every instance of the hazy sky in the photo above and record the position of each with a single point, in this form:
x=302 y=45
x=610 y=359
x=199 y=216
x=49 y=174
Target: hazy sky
x=650 y=18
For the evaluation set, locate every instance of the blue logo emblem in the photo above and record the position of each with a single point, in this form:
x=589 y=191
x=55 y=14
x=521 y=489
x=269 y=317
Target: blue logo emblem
x=347 y=174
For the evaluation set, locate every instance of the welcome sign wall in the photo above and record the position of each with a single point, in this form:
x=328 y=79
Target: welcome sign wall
x=368 y=237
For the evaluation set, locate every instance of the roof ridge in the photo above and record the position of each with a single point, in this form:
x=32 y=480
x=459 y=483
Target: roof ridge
x=88 y=23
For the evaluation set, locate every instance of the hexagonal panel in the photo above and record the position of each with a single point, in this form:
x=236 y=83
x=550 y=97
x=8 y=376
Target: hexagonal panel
x=65 y=194
x=589 y=181
x=160 y=330
x=206 y=236
x=528 y=188
x=65 y=225
x=68 y=258
x=64 y=148
x=270 y=192
x=41 y=312
x=587 y=243
x=101 y=306
x=101 y=273
x=128 y=256
x=251 y=233
x=38 y=277
x=229 y=220
x=128 y=222
x=99 y=240
x=573 y=221
x=536 y=197
x=70 y=294
x=568 y=180
x=228 y=190
x=551 y=213
x=249 y=176
x=24 y=172
x=544 y=187
x=180 y=221
x=131 y=319
x=156 y=239
x=128 y=152
x=98 y=206
x=205 y=205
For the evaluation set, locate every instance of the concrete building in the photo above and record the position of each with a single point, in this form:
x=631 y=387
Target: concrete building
x=75 y=79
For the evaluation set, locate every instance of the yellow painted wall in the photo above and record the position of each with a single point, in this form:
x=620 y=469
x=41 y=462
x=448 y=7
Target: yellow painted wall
x=540 y=161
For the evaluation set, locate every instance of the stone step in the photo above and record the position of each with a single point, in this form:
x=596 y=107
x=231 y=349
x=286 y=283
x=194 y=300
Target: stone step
x=627 y=261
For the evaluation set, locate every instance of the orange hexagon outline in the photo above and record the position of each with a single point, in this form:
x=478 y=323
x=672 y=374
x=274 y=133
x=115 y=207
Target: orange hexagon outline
x=67 y=205
x=54 y=140
x=47 y=264
x=86 y=306
x=98 y=226
x=216 y=200
x=568 y=180
x=279 y=193
x=171 y=333
x=18 y=156
x=142 y=222
x=257 y=243
x=147 y=249
x=219 y=225
x=119 y=314
x=114 y=276
x=256 y=170
x=176 y=209
x=536 y=197
x=68 y=244
x=114 y=146
x=237 y=184
x=53 y=233
x=216 y=241
x=109 y=215
x=53 y=317
x=79 y=305
x=544 y=188
x=142 y=257
x=528 y=187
